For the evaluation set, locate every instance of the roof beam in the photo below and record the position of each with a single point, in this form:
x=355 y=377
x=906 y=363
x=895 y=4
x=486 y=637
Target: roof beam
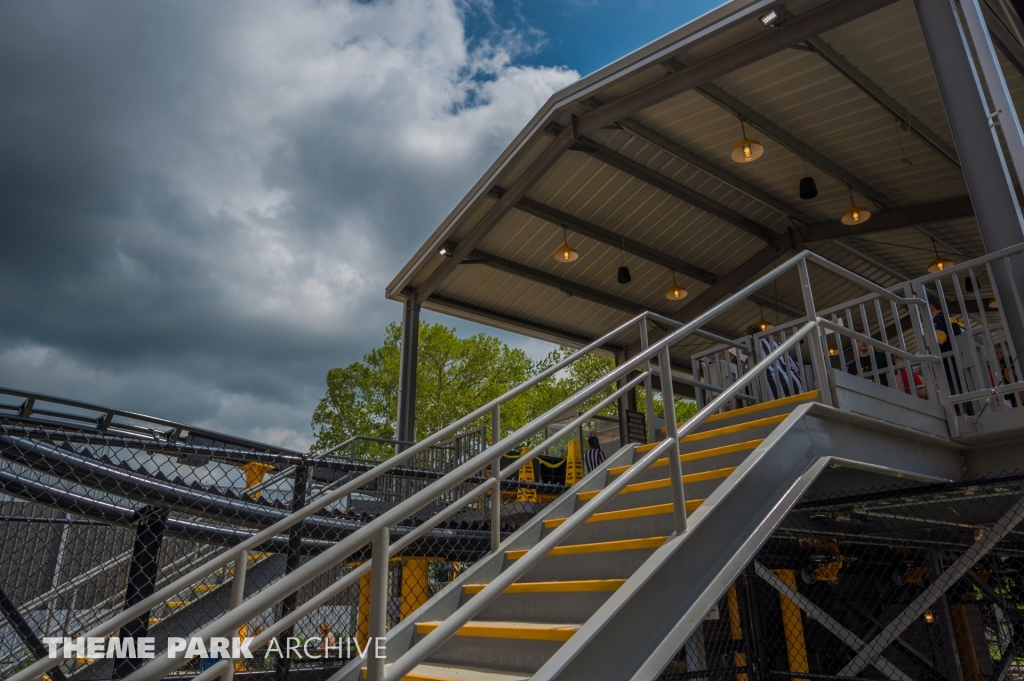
x=568 y=286
x=659 y=181
x=663 y=143
x=1004 y=38
x=794 y=31
x=540 y=165
x=592 y=231
x=884 y=221
x=730 y=103
x=868 y=87
x=510 y=322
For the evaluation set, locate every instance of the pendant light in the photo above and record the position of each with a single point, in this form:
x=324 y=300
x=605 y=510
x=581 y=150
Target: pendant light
x=565 y=252
x=763 y=323
x=940 y=263
x=833 y=349
x=624 y=277
x=675 y=291
x=746 y=150
x=855 y=214
x=808 y=188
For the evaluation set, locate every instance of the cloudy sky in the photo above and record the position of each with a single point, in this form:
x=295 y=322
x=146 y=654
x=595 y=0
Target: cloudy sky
x=201 y=203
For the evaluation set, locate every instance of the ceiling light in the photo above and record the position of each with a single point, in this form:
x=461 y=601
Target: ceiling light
x=941 y=263
x=746 y=150
x=993 y=304
x=675 y=291
x=833 y=350
x=565 y=252
x=624 y=277
x=772 y=18
x=855 y=214
x=808 y=189
x=929 y=617
x=447 y=248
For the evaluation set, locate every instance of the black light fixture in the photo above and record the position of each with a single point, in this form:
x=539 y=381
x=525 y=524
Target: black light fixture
x=969 y=284
x=447 y=248
x=624 y=277
x=808 y=189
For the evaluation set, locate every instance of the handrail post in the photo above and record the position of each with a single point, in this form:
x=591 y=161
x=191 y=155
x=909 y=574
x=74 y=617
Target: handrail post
x=237 y=596
x=496 y=474
x=378 y=603
x=293 y=559
x=814 y=337
x=675 y=468
x=652 y=434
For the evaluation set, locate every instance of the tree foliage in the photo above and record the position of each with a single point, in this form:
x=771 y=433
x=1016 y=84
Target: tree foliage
x=454 y=376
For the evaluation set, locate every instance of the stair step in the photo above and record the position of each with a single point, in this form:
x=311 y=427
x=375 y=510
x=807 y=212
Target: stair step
x=642 y=511
x=553 y=587
x=664 y=482
x=153 y=621
x=718 y=432
x=430 y=672
x=695 y=456
x=596 y=547
x=762 y=406
x=523 y=631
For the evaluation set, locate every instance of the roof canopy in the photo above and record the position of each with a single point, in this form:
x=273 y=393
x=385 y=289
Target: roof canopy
x=632 y=164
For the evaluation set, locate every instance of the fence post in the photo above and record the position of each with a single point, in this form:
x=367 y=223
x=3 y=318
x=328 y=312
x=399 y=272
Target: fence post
x=292 y=561
x=149 y=537
x=675 y=468
x=652 y=433
x=378 y=604
x=237 y=596
x=496 y=474
x=814 y=338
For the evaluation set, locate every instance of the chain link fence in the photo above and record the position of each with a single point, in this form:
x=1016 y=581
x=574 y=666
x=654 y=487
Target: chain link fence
x=100 y=510
x=923 y=583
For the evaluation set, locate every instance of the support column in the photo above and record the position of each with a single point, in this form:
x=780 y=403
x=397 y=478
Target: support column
x=628 y=401
x=415 y=584
x=985 y=170
x=793 y=627
x=406 y=425
x=293 y=559
x=149 y=537
x=363 y=621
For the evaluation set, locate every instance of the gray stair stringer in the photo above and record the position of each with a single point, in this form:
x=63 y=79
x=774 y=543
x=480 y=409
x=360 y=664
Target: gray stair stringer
x=646 y=621
x=447 y=601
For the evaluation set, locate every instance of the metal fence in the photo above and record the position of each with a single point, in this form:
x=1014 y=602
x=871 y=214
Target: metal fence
x=922 y=582
x=100 y=508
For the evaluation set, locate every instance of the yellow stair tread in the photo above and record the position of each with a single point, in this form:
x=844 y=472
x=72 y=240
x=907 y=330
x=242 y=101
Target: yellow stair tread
x=639 y=512
x=664 y=482
x=754 y=408
x=574 y=586
x=696 y=456
x=430 y=672
x=178 y=604
x=596 y=547
x=532 y=631
x=727 y=430
x=205 y=587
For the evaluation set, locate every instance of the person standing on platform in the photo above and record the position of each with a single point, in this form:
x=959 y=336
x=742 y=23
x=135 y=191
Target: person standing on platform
x=593 y=457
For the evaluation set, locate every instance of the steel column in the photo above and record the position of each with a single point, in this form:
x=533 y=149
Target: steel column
x=237 y=596
x=378 y=603
x=496 y=474
x=623 y=405
x=293 y=559
x=814 y=338
x=652 y=433
x=675 y=468
x=985 y=171
x=149 y=537
x=405 y=430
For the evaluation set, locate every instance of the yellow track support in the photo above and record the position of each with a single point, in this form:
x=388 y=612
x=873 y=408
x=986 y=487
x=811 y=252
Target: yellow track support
x=526 y=475
x=573 y=464
x=736 y=629
x=363 y=621
x=793 y=627
x=415 y=584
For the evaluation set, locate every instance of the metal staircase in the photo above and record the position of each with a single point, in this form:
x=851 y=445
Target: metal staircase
x=613 y=578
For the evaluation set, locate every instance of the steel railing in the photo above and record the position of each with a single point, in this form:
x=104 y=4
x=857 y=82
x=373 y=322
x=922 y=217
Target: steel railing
x=377 y=532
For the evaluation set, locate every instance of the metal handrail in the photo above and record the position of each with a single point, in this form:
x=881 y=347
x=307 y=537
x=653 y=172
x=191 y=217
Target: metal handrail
x=371 y=531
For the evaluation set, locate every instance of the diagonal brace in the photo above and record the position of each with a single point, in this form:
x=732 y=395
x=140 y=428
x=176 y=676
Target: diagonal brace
x=950 y=576
x=826 y=620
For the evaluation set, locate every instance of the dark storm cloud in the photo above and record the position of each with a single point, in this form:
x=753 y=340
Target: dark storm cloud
x=200 y=203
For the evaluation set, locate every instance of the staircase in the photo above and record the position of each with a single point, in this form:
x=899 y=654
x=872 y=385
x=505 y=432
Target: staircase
x=532 y=619
x=611 y=579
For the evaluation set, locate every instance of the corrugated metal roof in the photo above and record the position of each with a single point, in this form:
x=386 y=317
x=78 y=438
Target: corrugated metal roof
x=795 y=89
